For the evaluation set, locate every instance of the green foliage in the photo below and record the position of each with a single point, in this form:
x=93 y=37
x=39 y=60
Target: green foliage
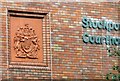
x=114 y=52
x=114 y=77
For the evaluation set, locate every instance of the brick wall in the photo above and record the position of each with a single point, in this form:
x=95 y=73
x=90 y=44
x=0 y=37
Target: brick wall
x=71 y=58
x=10 y=71
x=0 y=45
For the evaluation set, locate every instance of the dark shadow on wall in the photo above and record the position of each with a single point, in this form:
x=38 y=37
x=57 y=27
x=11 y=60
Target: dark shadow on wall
x=119 y=28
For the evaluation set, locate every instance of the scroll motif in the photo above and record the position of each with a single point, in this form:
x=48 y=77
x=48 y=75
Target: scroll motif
x=26 y=43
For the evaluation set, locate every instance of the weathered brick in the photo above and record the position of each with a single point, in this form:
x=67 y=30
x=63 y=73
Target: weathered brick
x=71 y=57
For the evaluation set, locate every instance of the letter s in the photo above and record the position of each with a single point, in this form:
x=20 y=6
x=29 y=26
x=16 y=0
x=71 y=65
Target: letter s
x=84 y=22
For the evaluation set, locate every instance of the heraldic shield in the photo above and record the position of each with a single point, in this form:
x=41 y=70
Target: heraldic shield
x=26 y=43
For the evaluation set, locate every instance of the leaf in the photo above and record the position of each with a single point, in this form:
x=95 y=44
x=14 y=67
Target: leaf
x=114 y=77
x=116 y=68
x=107 y=76
x=119 y=76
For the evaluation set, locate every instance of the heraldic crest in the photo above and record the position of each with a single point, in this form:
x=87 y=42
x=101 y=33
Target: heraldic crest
x=26 y=43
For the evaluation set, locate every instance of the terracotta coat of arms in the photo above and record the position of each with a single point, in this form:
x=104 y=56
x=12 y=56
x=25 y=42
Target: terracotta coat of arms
x=26 y=43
